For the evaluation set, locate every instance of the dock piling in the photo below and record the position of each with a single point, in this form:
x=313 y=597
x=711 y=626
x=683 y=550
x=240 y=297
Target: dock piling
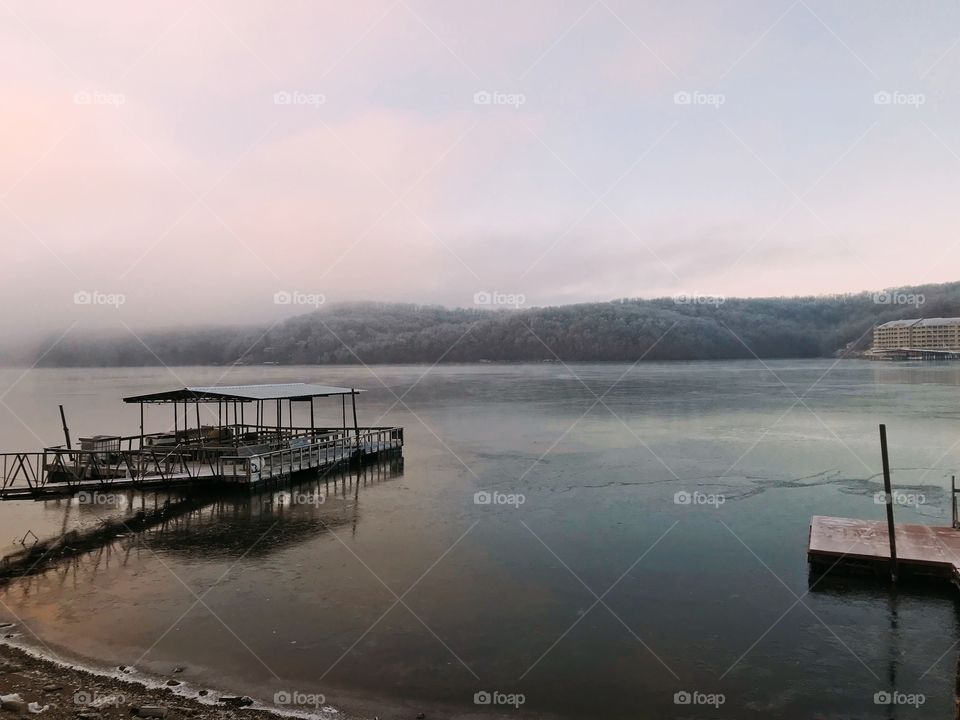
x=891 y=531
x=66 y=430
x=953 y=500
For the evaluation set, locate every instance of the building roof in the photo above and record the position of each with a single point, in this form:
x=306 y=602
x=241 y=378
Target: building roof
x=921 y=322
x=243 y=393
x=899 y=323
x=927 y=322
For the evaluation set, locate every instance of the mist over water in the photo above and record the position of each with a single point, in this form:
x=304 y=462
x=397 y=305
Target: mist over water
x=682 y=501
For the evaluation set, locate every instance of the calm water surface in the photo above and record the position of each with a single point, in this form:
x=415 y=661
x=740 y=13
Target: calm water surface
x=599 y=596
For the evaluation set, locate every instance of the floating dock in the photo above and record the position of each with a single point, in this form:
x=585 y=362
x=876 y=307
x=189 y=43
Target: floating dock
x=864 y=546
x=238 y=445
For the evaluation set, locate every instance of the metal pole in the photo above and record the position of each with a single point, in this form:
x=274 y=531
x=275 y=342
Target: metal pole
x=953 y=499
x=312 y=433
x=140 y=454
x=356 y=428
x=891 y=530
x=66 y=430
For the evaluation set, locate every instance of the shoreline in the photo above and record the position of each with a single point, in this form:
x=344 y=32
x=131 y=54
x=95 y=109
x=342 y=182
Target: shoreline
x=58 y=689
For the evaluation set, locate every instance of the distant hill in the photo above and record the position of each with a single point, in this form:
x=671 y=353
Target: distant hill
x=624 y=330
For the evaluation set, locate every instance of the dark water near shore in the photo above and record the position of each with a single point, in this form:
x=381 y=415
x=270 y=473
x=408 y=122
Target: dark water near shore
x=598 y=596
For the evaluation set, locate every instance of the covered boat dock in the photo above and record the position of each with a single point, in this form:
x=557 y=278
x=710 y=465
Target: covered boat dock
x=251 y=438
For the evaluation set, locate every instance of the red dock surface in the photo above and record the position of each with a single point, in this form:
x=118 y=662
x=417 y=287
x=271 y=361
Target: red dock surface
x=832 y=538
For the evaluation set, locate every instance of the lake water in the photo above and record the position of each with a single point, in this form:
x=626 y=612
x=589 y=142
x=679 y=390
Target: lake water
x=598 y=595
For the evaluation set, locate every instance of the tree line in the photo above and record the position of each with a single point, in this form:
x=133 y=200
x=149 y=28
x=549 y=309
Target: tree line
x=622 y=330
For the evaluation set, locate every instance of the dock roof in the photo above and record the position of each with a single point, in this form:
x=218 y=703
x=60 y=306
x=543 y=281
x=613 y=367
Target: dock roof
x=243 y=393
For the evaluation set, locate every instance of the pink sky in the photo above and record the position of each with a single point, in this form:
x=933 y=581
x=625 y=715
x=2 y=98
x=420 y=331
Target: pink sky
x=144 y=153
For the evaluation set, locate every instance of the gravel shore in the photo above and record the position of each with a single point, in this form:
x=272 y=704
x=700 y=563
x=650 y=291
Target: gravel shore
x=50 y=691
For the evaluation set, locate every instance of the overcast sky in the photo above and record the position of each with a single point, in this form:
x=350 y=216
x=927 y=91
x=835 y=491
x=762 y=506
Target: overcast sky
x=189 y=161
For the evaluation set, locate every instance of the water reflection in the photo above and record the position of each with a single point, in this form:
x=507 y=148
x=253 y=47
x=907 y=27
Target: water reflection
x=916 y=373
x=191 y=525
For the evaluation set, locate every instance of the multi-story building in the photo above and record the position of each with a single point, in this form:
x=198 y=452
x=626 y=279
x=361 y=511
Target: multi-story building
x=918 y=334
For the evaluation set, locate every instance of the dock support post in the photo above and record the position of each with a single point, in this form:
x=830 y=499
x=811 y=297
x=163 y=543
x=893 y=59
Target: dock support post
x=356 y=428
x=66 y=430
x=140 y=454
x=891 y=530
x=953 y=500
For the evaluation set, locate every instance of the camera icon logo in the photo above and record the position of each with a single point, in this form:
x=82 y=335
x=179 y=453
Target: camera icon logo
x=482 y=698
x=682 y=697
x=682 y=497
x=482 y=97
x=482 y=498
x=682 y=98
x=882 y=698
x=282 y=297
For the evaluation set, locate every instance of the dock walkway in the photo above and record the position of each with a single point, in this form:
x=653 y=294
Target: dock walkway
x=58 y=472
x=921 y=549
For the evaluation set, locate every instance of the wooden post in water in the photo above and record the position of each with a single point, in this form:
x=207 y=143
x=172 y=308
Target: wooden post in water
x=66 y=430
x=953 y=501
x=891 y=529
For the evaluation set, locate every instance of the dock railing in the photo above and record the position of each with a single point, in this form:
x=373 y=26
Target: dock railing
x=263 y=454
x=287 y=460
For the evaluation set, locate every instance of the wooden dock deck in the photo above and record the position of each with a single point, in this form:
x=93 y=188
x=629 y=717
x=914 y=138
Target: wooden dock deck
x=864 y=545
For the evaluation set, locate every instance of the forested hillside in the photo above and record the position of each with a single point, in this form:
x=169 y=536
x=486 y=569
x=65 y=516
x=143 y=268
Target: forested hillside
x=619 y=330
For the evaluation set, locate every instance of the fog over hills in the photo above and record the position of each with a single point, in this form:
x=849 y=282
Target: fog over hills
x=681 y=328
